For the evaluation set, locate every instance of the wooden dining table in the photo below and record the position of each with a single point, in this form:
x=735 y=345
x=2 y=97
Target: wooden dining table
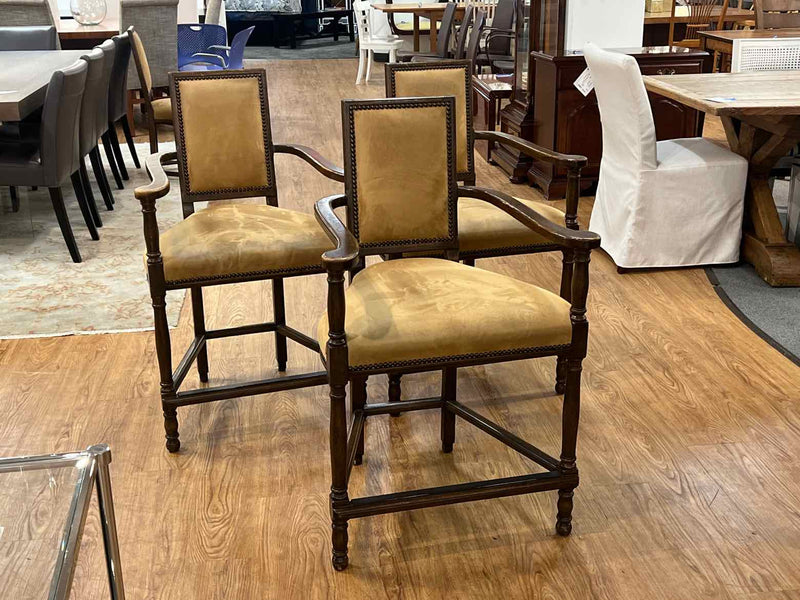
x=722 y=41
x=24 y=77
x=432 y=11
x=760 y=112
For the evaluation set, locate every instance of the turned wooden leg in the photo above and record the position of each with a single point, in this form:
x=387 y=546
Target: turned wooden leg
x=561 y=374
x=199 y=318
x=338 y=442
x=449 y=379
x=569 y=437
x=358 y=398
x=279 y=308
x=164 y=355
x=564 y=518
x=394 y=390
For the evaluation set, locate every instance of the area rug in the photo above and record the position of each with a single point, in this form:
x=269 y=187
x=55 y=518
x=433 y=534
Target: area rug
x=45 y=294
x=772 y=312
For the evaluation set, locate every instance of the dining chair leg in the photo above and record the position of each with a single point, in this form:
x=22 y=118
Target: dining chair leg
x=449 y=386
x=561 y=374
x=112 y=137
x=14 y=198
x=129 y=139
x=100 y=176
x=88 y=218
x=361 y=65
x=470 y=262
x=87 y=190
x=112 y=163
x=279 y=309
x=569 y=436
x=339 y=468
x=199 y=319
x=370 y=58
x=358 y=399
x=394 y=390
x=57 y=198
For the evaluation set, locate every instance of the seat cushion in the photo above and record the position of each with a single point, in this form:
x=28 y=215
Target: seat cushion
x=162 y=109
x=482 y=226
x=697 y=153
x=430 y=308
x=241 y=239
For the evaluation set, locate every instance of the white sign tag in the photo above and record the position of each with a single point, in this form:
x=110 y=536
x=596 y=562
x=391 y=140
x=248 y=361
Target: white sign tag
x=584 y=82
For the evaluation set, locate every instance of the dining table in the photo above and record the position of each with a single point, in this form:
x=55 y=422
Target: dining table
x=656 y=24
x=432 y=11
x=722 y=41
x=760 y=113
x=24 y=77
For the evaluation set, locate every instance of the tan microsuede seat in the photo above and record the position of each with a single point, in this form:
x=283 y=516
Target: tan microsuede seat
x=238 y=239
x=162 y=109
x=421 y=308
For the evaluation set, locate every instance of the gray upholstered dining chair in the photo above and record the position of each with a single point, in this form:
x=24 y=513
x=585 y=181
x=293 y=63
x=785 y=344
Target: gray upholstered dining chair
x=442 y=39
x=28 y=37
x=52 y=161
x=27 y=12
x=117 y=101
x=109 y=52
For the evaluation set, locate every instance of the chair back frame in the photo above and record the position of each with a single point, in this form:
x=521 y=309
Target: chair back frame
x=701 y=18
x=188 y=196
x=776 y=14
x=391 y=69
x=118 y=86
x=473 y=46
x=449 y=243
x=461 y=38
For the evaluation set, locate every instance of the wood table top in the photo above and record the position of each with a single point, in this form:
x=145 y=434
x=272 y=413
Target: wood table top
x=430 y=7
x=70 y=29
x=755 y=93
x=733 y=14
x=728 y=35
x=24 y=77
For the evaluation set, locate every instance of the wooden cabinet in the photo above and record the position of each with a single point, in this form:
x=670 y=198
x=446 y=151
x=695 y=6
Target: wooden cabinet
x=566 y=121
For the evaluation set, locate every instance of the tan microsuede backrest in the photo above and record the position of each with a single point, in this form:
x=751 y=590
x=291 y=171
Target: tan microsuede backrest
x=223 y=139
x=141 y=56
x=403 y=166
x=449 y=81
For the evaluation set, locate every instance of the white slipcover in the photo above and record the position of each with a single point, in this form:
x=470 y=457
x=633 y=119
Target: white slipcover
x=659 y=204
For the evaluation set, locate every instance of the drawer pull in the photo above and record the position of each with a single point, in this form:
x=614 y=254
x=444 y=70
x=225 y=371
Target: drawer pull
x=666 y=71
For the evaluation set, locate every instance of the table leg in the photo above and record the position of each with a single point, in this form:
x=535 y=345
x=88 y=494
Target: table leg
x=416 y=32
x=433 y=33
x=764 y=246
x=108 y=523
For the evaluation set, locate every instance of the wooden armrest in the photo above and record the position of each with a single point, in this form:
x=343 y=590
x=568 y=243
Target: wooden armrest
x=568 y=238
x=159 y=184
x=570 y=161
x=314 y=158
x=346 y=252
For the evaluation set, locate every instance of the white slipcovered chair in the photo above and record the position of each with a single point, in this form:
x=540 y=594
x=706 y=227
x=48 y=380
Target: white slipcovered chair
x=369 y=42
x=659 y=204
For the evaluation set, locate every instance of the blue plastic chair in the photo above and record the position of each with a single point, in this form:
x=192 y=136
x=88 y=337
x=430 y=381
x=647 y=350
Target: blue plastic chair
x=229 y=58
x=195 y=38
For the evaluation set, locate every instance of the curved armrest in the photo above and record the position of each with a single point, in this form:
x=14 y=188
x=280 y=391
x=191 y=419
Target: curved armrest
x=346 y=252
x=207 y=57
x=314 y=158
x=219 y=47
x=159 y=184
x=567 y=238
x=570 y=161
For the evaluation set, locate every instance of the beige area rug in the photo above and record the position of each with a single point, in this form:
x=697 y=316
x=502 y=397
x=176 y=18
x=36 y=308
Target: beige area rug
x=45 y=294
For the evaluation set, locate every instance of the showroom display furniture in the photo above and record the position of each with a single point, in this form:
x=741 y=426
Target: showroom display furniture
x=776 y=14
x=198 y=37
x=484 y=231
x=224 y=152
x=109 y=49
x=50 y=162
x=702 y=15
x=424 y=314
x=33 y=37
x=442 y=38
x=28 y=13
x=157 y=111
x=53 y=493
x=221 y=57
x=117 y=101
x=649 y=190
x=369 y=44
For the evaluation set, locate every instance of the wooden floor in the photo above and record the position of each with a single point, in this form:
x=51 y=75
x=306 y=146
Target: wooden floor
x=688 y=445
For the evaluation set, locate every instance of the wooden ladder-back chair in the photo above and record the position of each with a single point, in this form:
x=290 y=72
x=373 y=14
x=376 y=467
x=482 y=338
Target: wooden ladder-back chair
x=225 y=152
x=777 y=14
x=433 y=314
x=485 y=231
x=701 y=18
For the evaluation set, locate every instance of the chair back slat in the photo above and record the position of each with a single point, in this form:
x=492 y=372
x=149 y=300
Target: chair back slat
x=473 y=46
x=446 y=30
x=400 y=174
x=703 y=15
x=777 y=14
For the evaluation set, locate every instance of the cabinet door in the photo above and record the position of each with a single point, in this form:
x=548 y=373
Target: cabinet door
x=672 y=119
